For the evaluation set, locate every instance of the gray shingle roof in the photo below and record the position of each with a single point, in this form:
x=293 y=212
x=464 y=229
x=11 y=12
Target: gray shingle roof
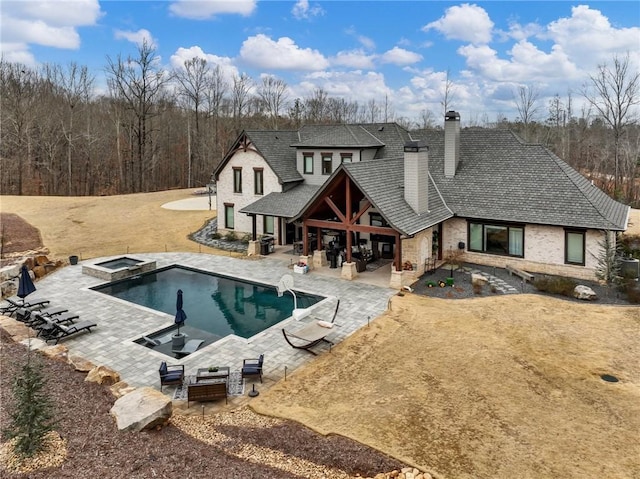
x=287 y=204
x=501 y=178
x=337 y=136
x=383 y=183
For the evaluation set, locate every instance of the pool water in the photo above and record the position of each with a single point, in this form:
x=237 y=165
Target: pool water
x=216 y=304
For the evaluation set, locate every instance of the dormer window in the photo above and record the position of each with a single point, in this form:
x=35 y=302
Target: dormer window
x=327 y=163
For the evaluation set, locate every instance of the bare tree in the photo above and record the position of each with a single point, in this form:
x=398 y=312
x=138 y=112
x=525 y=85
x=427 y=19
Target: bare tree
x=193 y=81
x=75 y=85
x=273 y=95
x=241 y=97
x=528 y=106
x=315 y=106
x=613 y=92
x=373 y=111
x=448 y=93
x=19 y=85
x=139 y=83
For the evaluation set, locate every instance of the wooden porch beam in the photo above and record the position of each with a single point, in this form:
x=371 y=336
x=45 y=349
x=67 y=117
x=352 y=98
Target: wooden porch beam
x=335 y=209
x=365 y=207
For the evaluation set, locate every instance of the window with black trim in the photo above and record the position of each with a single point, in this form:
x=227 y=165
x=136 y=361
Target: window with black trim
x=268 y=225
x=237 y=180
x=574 y=247
x=496 y=238
x=327 y=163
x=376 y=219
x=228 y=216
x=258 y=182
x=307 y=160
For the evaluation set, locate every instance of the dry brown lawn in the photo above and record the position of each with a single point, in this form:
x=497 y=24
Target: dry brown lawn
x=494 y=387
x=109 y=225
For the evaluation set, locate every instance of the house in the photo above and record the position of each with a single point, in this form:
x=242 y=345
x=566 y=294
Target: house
x=362 y=192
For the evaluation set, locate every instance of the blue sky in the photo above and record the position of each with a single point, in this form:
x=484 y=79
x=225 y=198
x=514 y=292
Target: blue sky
x=360 y=51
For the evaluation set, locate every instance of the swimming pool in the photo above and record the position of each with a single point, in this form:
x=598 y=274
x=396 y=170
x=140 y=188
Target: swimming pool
x=216 y=304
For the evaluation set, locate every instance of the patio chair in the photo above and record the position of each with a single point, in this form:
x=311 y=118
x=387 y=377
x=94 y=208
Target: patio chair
x=44 y=324
x=171 y=374
x=14 y=303
x=190 y=346
x=60 y=331
x=312 y=334
x=252 y=367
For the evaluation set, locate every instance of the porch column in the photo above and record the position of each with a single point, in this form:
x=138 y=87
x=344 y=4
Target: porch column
x=253 y=249
x=397 y=257
x=254 y=229
x=305 y=239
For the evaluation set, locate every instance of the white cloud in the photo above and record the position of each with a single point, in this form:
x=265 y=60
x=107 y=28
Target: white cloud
x=469 y=23
x=45 y=22
x=17 y=53
x=352 y=86
x=262 y=52
x=204 y=9
x=229 y=70
x=137 y=37
x=302 y=10
x=400 y=56
x=366 y=42
x=589 y=37
x=354 y=59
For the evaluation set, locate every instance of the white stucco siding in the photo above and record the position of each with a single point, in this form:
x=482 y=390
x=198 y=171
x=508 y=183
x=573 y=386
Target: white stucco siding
x=247 y=161
x=544 y=250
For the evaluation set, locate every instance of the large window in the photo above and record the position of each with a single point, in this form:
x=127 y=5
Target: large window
x=327 y=166
x=308 y=163
x=501 y=239
x=258 y=182
x=268 y=225
x=237 y=180
x=228 y=216
x=574 y=247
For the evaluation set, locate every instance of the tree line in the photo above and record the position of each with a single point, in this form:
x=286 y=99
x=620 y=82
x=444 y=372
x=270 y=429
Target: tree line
x=155 y=129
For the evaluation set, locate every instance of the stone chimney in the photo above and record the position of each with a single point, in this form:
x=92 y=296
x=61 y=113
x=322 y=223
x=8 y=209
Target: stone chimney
x=451 y=143
x=416 y=175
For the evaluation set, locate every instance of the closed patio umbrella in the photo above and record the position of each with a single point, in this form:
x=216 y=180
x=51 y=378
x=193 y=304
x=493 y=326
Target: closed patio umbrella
x=181 y=316
x=25 y=284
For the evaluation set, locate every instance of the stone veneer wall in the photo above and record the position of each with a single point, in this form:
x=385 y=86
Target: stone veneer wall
x=417 y=250
x=544 y=250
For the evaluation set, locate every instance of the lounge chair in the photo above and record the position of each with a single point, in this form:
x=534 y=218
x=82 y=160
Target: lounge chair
x=62 y=332
x=189 y=347
x=14 y=303
x=52 y=311
x=44 y=324
x=171 y=375
x=312 y=334
x=252 y=367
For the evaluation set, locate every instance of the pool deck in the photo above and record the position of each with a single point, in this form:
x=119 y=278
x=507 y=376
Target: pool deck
x=120 y=322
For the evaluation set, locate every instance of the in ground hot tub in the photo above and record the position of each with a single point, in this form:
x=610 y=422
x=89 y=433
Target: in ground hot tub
x=118 y=268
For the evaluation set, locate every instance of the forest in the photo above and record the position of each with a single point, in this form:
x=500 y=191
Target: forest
x=154 y=129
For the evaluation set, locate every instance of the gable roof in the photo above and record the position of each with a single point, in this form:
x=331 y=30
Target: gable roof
x=274 y=147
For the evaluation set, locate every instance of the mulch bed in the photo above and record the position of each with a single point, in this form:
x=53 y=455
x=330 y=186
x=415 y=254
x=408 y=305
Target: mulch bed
x=97 y=449
x=463 y=288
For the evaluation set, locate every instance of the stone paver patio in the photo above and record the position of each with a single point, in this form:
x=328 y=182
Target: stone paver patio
x=120 y=322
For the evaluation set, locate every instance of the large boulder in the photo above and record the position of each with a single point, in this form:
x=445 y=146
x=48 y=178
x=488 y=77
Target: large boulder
x=584 y=292
x=478 y=279
x=121 y=388
x=144 y=408
x=103 y=375
x=80 y=364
